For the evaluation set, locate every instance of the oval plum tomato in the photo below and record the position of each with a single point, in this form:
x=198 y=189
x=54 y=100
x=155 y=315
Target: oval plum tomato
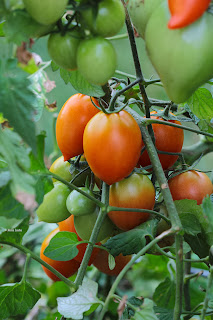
x=112 y=145
x=68 y=225
x=96 y=60
x=106 y=19
x=85 y=224
x=169 y=139
x=45 y=11
x=101 y=263
x=53 y=208
x=70 y=124
x=78 y=205
x=185 y=12
x=136 y=191
x=63 y=49
x=192 y=185
x=66 y=268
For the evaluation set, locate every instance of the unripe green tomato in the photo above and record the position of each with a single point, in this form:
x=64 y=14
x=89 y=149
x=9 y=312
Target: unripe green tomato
x=79 y=205
x=45 y=11
x=53 y=208
x=106 y=19
x=96 y=60
x=63 y=49
x=85 y=224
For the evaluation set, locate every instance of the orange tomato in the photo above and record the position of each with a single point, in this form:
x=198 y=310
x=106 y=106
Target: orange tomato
x=71 y=121
x=112 y=145
x=66 y=268
x=167 y=138
x=192 y=185
x=68 y=225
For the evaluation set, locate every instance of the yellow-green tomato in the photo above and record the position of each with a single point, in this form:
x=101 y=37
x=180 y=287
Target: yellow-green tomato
x=85 y=224
x=53 y=208
x=45 y=11
x=78 y=204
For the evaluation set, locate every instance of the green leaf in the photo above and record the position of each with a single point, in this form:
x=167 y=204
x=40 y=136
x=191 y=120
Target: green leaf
x=19 y=27
x=5 y=177
x=15 y=235
x=207 y=206
x=164 y=295
x=17 y=101
x=79 y=302
x=79 y=83
x=17 y=299
x=146 y=311
x=111 y=262
x=62 y=246
x=164 y=314
x=132 y=241
x=16 y=156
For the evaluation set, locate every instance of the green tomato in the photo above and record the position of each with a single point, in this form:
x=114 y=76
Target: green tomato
x=85 y=224
x=181 y=57
x=63 y=49
x=106 y=19
x=45 y=11
x=53 y=208
x=96 y=60
x=78 y=205
x=140 y=12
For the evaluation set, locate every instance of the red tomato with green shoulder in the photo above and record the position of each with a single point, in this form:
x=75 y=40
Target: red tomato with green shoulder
x=112 y=145
x=66 y=268
x=192 y=185
x=136 y=191
x=71 y=122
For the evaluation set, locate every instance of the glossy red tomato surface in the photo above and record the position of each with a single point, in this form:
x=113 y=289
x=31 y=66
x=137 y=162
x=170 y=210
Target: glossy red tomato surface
x=136 y=191
x=168 y=139
x=66 y=268
x=192 y=185
x=71 y=122
x=112 y=145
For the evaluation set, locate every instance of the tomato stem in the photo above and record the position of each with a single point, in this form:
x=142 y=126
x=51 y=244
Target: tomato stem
x=208 y=294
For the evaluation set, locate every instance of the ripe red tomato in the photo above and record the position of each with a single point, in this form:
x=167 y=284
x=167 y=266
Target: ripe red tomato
x=192 y=185
x=66 y=268
x=68 y=225
x=112 y=145
x=71 y=121
x=101 y=263
x=136 y=191
x=169 y=139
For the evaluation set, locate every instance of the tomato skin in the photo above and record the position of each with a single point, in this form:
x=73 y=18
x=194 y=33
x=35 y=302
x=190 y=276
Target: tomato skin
x=75 y=114
x=117 y=138
x=167 y=138
x=66 y=268
x=185 y=12
x=136 y=191
x=68 y=225
x=45 y=11
x=96 y=60
x=101 y=263
x=192 y=185
x=107 y=20
x=63 y=49
x=78 y=205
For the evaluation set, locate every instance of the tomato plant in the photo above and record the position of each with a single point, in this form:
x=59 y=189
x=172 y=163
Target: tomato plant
x=192 y=185
x=106 y=19
x=101 y=263
x=75 y=114
x=186 y=12
x=167 y=139
x=197 y=57
x=136 y=191
x=78 y=205
x=53 y=208
x=45 y=11
x=66 y=268
x=96 y=60
x=63 y=48
x=68 y=225
x=120 y=135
